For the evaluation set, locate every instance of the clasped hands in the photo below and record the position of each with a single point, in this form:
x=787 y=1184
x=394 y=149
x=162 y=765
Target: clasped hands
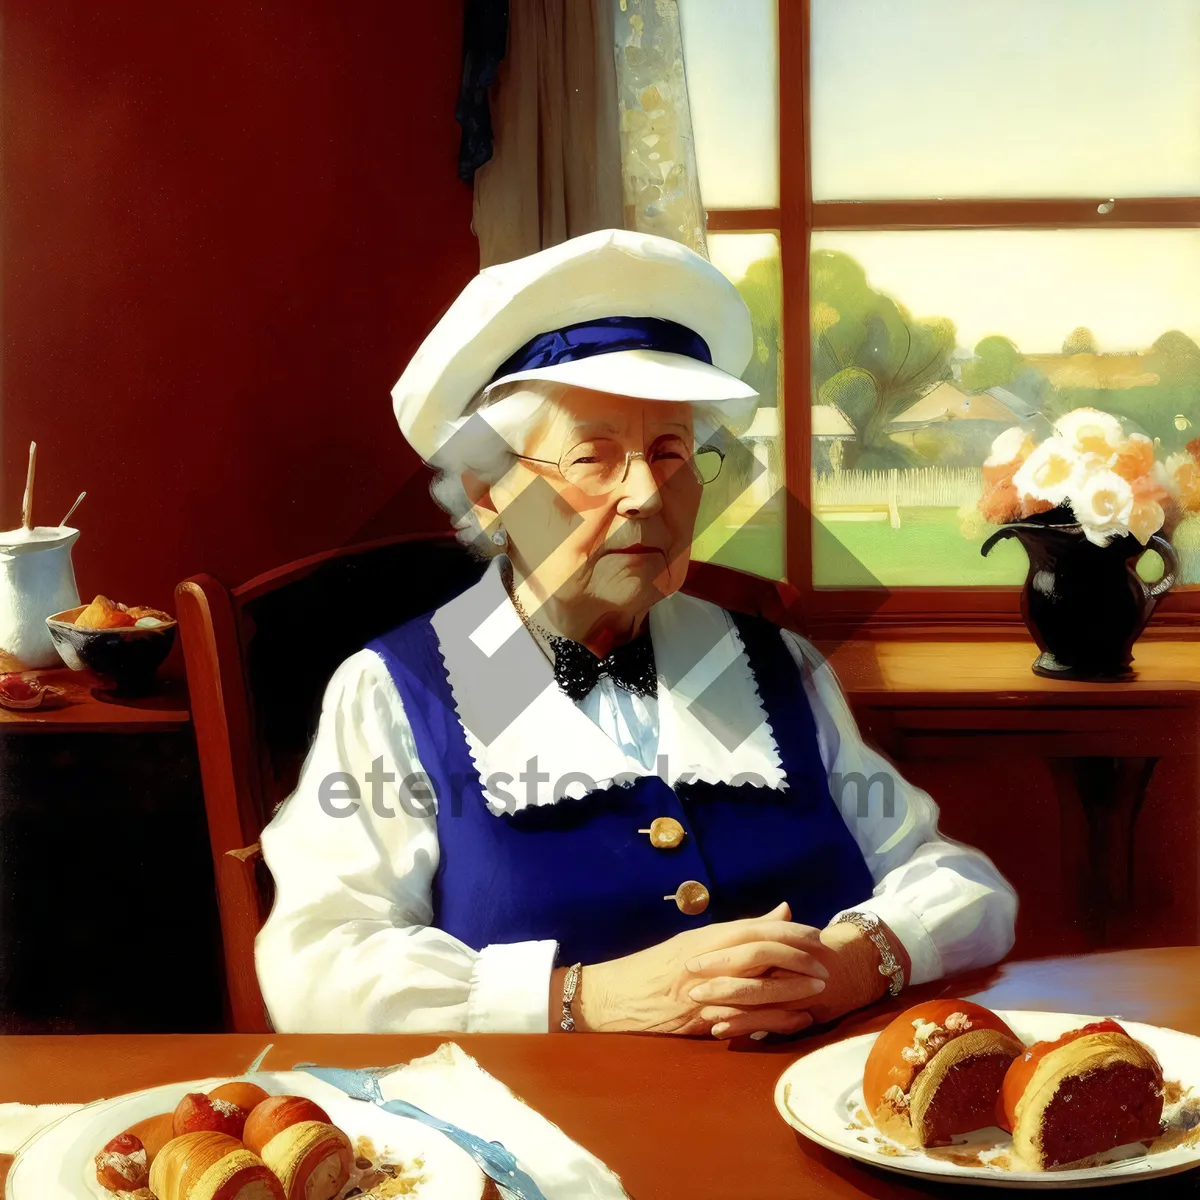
x=763 y=974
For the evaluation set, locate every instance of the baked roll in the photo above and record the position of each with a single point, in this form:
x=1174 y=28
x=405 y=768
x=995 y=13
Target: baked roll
x=1090 y=1090
x=297 y=1140
x=154 y=1133
x=247 y=1096
x=211 y=1166
x=312 y=1160
x=936 y=1071
x=198 y=1113
x=275 y=1114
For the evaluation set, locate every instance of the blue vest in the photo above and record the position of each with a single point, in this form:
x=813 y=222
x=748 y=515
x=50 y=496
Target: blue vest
x=579 y=872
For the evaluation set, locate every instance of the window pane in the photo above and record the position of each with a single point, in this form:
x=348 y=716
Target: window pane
x=959 y=98
x=731 y=56
x=928 y=345
x=741 y=518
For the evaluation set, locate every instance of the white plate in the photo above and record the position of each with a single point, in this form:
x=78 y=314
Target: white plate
x=820 y=1093
x=57 y=1162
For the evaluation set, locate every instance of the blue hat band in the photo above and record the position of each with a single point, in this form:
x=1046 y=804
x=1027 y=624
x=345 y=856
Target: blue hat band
x=607 y=335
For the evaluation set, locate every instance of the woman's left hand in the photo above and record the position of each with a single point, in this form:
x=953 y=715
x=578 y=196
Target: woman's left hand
x=741 y=998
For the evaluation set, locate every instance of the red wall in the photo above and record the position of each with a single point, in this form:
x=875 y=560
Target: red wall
x=226 y=228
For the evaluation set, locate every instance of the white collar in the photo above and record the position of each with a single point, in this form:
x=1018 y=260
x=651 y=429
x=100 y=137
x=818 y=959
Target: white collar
x=496 y=669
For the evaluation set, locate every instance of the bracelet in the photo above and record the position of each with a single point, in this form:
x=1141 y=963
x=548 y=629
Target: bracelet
x=570 y=987
x=889 y=965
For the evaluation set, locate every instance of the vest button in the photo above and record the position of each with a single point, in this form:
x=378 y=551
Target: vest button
x=691 y=897
x=665 y=833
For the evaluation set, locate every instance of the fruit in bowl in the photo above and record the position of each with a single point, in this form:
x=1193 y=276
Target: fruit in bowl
x=103 y=613
x=125 y=644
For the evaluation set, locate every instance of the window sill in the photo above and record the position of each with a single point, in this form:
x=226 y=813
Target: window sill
x=924 y=700
x=890 y=672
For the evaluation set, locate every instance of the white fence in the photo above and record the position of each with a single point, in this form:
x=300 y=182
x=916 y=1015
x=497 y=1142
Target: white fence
x=912 y=487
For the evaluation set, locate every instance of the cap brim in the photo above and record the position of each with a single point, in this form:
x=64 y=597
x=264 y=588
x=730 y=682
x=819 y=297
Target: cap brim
x=644 y=375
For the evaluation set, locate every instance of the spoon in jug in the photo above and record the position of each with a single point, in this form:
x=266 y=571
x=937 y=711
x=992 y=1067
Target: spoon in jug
x=72 y=509
x=27 y=505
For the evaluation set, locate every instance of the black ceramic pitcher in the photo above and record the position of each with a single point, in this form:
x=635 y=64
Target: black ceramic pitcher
x=1084 y=604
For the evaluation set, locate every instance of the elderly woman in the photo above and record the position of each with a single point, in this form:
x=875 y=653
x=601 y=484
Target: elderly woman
x=575 y=797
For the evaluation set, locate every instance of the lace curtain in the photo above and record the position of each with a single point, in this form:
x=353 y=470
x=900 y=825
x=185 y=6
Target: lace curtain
x=658 y=160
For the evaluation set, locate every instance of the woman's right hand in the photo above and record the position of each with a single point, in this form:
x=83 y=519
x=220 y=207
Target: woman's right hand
x=648 y=992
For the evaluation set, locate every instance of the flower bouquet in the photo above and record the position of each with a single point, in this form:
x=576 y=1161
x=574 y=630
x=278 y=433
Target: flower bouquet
x=1086 y=503
x=1110 y=481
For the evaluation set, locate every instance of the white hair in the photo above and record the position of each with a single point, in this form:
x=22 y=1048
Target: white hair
x=485 y=442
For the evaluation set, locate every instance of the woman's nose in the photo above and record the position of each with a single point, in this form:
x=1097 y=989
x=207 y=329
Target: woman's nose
x=638 y=491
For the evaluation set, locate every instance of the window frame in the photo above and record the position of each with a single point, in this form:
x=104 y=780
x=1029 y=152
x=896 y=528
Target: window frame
x=983 y=610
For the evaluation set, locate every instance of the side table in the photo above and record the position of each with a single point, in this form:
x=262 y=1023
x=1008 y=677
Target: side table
x=105 y=865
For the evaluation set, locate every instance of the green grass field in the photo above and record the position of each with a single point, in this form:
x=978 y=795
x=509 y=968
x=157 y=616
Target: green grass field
x=756 y=547
x=928 y=550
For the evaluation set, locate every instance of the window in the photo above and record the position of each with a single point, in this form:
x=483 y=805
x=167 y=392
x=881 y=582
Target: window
x=732 y=60
x=981 y=216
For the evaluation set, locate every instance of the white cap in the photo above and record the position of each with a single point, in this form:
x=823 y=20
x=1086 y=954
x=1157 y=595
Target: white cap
x=599 y=278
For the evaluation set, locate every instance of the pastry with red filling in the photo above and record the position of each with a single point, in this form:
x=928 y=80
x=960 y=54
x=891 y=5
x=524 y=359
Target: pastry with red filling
x=1091 y=1090
x=936 y=1070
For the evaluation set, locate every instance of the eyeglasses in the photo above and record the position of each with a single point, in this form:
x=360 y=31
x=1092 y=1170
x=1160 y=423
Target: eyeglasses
x=598 y=465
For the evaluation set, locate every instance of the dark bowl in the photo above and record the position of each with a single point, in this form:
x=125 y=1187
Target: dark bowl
x=127 y=656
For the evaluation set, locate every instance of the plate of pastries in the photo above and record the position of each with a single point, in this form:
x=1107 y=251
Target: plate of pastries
x=281 y=1135
x=955 y=1091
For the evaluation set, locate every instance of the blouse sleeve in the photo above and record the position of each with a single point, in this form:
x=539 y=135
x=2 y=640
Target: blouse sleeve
x=350 y=944
x=945 y=901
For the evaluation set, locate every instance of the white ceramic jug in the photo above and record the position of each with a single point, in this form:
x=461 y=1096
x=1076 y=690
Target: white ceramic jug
x=37 y=580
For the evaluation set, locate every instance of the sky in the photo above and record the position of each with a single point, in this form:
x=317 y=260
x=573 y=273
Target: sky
x=928 y=98
x=1126 y=286
x=953 y=98
x=939 y=98
x=732 y=253
x=733 y=89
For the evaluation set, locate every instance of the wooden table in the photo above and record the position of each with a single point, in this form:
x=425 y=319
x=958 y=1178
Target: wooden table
x=677 y=1119
x=85 y=707
x=923 y=700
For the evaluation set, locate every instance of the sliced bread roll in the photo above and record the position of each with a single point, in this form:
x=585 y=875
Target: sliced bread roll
x=936 y=1071
x=1091 y=1090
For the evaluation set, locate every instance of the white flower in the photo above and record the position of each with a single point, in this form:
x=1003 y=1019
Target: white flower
x=1008 y=446
x=1092 y=432
x=1052 y=472
x=1102 y=506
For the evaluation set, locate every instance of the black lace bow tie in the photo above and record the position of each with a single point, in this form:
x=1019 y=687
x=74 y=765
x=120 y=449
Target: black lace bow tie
x=630 y=666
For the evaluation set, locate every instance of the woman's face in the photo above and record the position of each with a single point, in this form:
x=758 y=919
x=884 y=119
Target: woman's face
x=618 y=550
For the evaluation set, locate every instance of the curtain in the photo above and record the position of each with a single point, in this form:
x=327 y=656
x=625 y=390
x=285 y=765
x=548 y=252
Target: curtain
x=555 y=171
x=658 y=159
x=485 y=36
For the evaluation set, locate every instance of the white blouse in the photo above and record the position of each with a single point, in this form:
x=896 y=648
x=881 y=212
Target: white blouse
x=352 y=944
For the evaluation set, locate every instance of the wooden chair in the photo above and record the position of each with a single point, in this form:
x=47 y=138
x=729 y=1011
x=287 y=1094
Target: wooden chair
x=258 y=658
